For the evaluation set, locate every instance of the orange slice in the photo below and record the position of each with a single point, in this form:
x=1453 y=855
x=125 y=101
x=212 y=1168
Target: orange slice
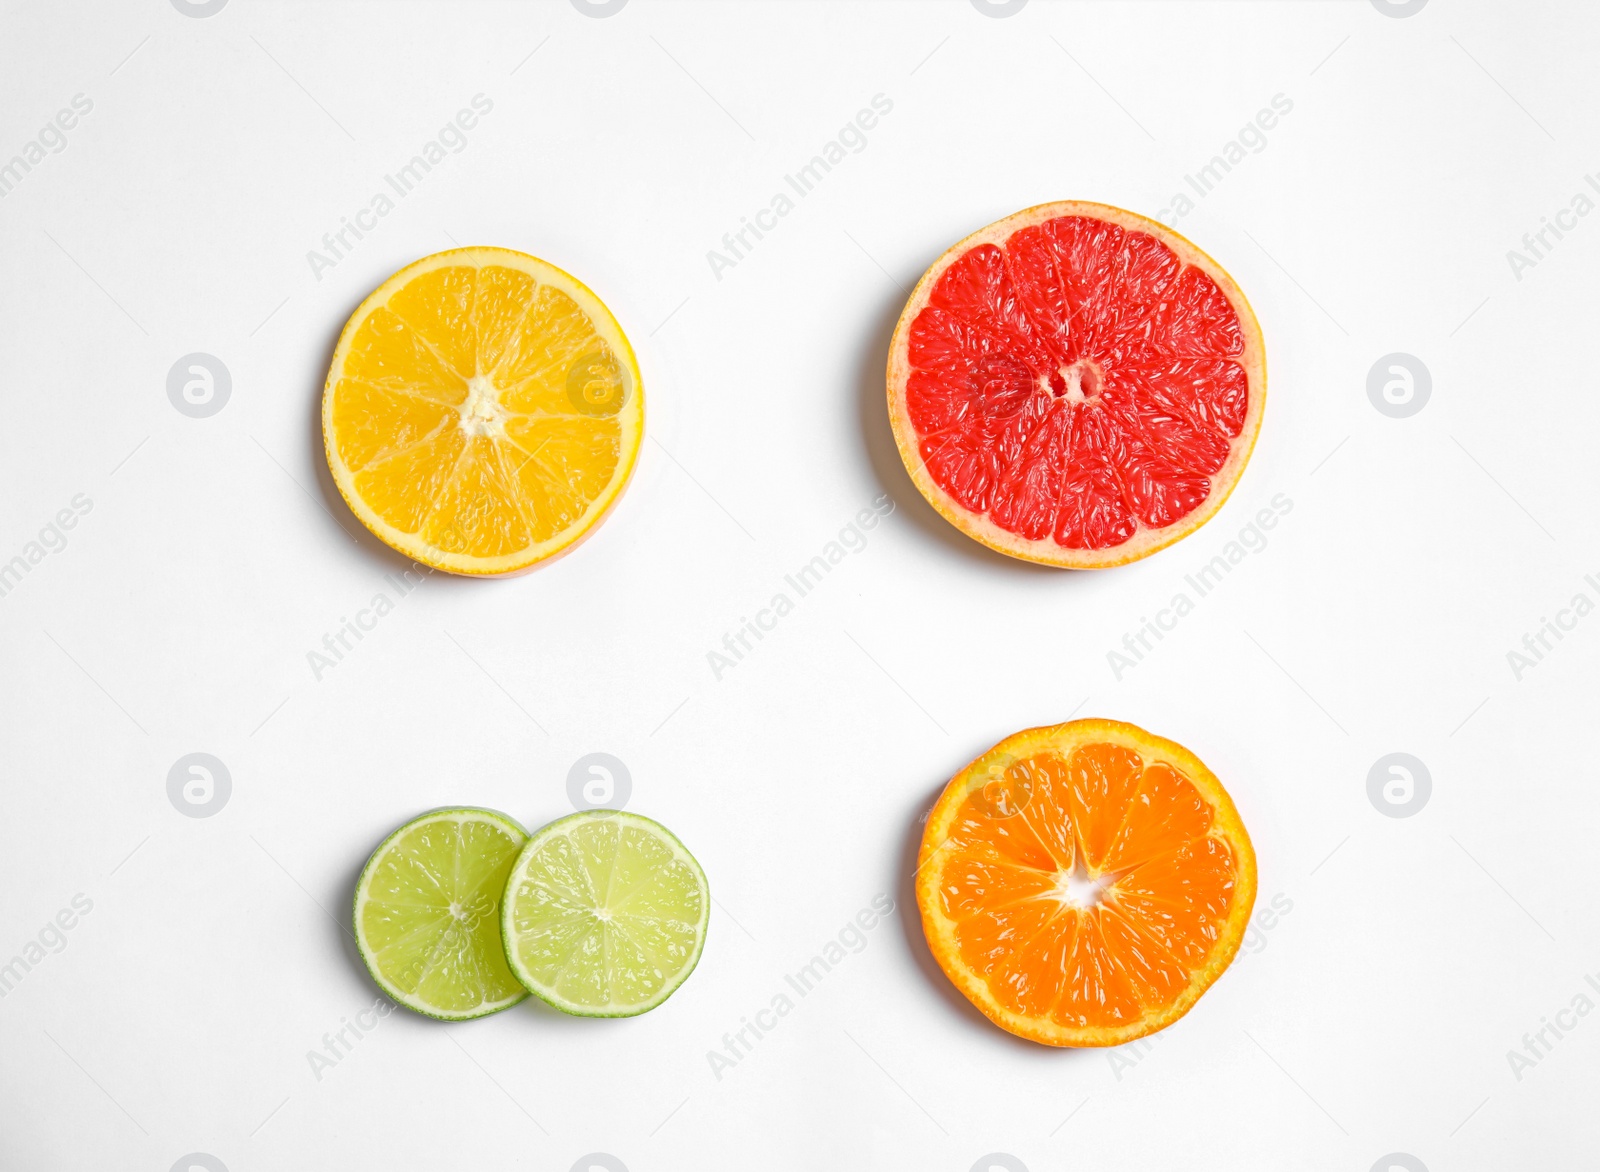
x=483 y=411
x=1083 y=884
x=1076 y=385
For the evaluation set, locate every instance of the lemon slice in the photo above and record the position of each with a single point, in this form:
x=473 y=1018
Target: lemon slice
x=483 y=411
x=604 y=914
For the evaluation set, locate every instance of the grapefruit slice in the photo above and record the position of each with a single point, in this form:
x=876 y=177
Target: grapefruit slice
x=1076 y=385
x=1083 y=884
x=483 y=411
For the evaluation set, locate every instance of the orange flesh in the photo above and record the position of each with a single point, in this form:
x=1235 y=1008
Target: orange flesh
x=1102 y=816
x=482 y=411
x=399 y=412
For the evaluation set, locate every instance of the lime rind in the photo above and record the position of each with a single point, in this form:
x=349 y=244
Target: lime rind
x=556 y=917
x=364 y=945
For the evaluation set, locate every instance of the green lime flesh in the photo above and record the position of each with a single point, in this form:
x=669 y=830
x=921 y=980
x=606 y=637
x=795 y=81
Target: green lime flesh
x=427 y=913
x=604 y=914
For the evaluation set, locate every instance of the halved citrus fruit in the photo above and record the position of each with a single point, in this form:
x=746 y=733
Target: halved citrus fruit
x=604 y=914
x=1083 y=884
x=1076 y=385
x=427 y=913
x=483 y=411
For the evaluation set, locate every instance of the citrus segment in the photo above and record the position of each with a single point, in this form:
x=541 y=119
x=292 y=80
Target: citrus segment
x=386 y=352
x=1084 y=884
x=604 y=914
x=1076 y=385
x=483 y=411
x=427 y=913
x=1102 y=779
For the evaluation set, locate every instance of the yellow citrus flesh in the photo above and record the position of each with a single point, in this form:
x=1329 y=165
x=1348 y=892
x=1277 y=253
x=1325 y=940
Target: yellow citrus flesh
x=1083 y=884
x=483 y=411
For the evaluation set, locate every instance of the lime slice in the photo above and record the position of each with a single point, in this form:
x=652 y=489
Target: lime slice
x=605 y=914
x=427 y=913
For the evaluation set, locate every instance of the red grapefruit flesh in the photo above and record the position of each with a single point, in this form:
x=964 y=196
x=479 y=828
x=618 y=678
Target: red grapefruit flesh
x=1076 y=385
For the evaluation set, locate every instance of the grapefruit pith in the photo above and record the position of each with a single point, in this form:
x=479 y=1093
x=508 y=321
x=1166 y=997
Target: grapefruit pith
x=1084 y=883
x=1076 y=385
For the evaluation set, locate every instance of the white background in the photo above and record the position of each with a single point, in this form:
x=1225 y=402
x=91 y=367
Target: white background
x=1374 y=1017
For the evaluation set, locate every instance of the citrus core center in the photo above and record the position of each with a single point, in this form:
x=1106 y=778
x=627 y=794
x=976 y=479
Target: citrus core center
x=1075 y=889
x=481 y=412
